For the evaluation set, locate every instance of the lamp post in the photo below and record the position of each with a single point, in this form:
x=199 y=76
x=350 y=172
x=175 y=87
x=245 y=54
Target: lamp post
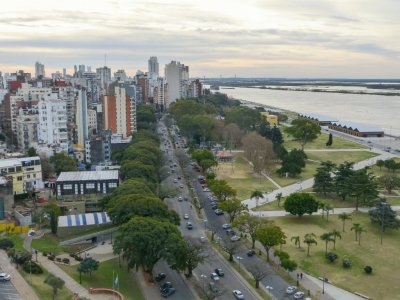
x=202 y=279
x=384 y=205
x=239 y=259
x=205 y=224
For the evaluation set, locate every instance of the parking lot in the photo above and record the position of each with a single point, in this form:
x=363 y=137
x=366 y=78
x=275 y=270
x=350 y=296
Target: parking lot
x=8 y=292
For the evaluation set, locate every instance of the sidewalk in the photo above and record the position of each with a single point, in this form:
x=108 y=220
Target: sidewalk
x=23 y=288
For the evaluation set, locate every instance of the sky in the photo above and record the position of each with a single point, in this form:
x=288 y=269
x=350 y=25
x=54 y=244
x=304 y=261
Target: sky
x=243 y=38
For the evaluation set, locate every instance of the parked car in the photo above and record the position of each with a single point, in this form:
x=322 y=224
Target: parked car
x=168 y=292
x=226 y=226
x=203 y=239
x=235 y=238
x=5 y=277
x=180 y=199
x=230 y=231
x=186 y=216
x=219 y=212
x=250 y=253
x=219 y=272
x=160 y=276
x=291 y=290
x=298 y=295
x=181 y=186
x=214 y=288
x=214 y=276
x=189 y=225
x=165 y=286
x=238 y=294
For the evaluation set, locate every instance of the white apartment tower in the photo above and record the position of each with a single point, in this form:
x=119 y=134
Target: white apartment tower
x=153 y=66
x=39 y=70
x=105 y=76
x=81 y=117
x=52 y=127
x=177 y=77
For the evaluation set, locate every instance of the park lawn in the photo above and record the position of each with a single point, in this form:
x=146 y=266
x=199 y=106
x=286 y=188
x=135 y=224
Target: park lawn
x=17 y=239
x=382 y=284
x=43 y=290
x=320 y=143
x=273 y=205
x=383 y=171
x=240 y=176
x=340 y=157
x=47 y=243
x=103 y=277
x=308 y=172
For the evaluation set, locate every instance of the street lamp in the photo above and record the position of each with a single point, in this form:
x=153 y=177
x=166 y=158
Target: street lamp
x=384 y=205
x=202 y=279
x=205 y=224
x=239 y=259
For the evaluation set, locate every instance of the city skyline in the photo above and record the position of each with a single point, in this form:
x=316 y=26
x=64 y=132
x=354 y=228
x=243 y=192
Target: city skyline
x=323 y=39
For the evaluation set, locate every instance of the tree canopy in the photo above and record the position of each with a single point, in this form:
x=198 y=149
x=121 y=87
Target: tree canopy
x=300 y=204
x=304 y=131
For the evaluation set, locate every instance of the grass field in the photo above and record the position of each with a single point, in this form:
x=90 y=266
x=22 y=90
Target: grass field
x=103 y=277
x=240 y=176
x=340 y=157
x=17 y=239
x=383 y=171
x=320 y=143
x=50 y=243
x=381 y=284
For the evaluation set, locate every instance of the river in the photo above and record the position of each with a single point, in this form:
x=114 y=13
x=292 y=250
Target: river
x=377 y=110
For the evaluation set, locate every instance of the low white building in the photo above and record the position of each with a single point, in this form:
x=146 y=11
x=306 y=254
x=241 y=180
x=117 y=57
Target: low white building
x=32 y=170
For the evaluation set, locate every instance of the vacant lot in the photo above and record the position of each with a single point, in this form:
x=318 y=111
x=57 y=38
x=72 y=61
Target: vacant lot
x=381 y=284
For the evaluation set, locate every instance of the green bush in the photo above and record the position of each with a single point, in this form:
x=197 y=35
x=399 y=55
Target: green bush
x=51 y=257
x=346 y=263
x=65 y=260
x=32 y=267
x=368 y=269
x=44 y=253
x=6 y=244
x=331 y=256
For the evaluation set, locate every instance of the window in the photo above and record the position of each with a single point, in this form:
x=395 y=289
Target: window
x=90 y=185
x=19 y=169
x=112 y=184
x=28 y=176
x=19 y=178
x=67 y=186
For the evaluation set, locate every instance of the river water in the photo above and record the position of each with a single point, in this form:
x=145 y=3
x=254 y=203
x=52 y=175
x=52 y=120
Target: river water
x=377 y=110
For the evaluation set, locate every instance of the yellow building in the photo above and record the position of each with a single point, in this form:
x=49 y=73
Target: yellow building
x=13 y=168
x=271 y=119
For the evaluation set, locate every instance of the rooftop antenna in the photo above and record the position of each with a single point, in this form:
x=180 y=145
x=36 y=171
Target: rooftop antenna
x=105 y=59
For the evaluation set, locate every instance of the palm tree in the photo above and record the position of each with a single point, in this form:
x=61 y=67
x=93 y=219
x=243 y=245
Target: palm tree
x=327 y=237
x=296 y=240
x=321 y=206
x=309 y=239
x=278 y=197
x=257 y=194
x=358 y=229
x=328 y=207
x=344 y=216
x=335 y=234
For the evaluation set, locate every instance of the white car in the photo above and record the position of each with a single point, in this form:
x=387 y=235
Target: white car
x=298 y=295
x=203 y=239
x=214 y=276
x=5 y=277
x=180 y=199
x=226 y=226
x=186 y=216
x=235 y=238
x=291 y=289
x=238 y=294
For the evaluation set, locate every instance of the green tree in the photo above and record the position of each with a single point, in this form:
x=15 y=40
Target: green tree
x=309 y=239
x=270 y=236
x=389 y=182
x=146 y=118
x=167 y=191
x=258 y=274
x=292 y=163
x=364 y=187
x=53 y=211
x=221 y=189
x=192 y=255
x=278 y=198
x=330 y=140
x=205 y=158
x=335 y=234
x=63 y=163
x=87 y=266
x=342 y=182
x=6 y=243
x=300 y=204
x=256 y=194
x=323 y=181
x=47 y=168
x=250 y=225
x=383 y=215
x=21 y=257
x=55 y=282
x=327 y=208
x=326 y=237
x=304 y=131
x=358 y=229
x=246 y=118
x=344 y=217
x=32 y=152
x=233 y=207
x=380 y=163
x=143 y=241
x=289 y=265
x=391 y=165
x=296 y=240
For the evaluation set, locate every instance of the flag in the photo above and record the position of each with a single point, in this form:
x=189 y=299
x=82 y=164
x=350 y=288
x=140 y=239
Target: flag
x=116 y=280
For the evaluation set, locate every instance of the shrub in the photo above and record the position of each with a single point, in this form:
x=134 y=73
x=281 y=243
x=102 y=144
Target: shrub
x=32 y=267
x=72 y=255
x=346 y=263
x=58 y=259
x=281 y=254
x=44 y=253
x=78 y=258
x=331 y=256
x=368 y=269
x=6 y=243
x=65 y=260
x=51 y=257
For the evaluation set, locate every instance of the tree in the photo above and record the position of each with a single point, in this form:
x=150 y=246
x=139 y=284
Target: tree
x=182 y=158
x=143 y=241
x=250 y=225
x=168 y=191
x=258 y=274
x=232 y=135
x=230 y=247
x=364 y=187
x=358 y=229
x=278 y=198
x=136 y=169
x=300 y=204
x=309 y=239
x=221 y=189
x=192 y=255
x=342 y=182
x=326 y=207
x=335 y=234
x=391 y=165
x=383 y=215
x=289 y=265
x=246 y=118
x=380 y=163
x=55 y=282
x=330 y=140
x=53 y=211
x=323 y=181
x=296 y=240
x=6 y=243
x=256 y=194
x=304 y=131
x=292 y=163
x=233 y=207
x=63 y=163
x=21 y=257
x=326 y=237
x=270 y=236
x=389 y=182
x=343 y=217
x=32 y=152
x=205 y=158
x=87 y=266
x=47 y=168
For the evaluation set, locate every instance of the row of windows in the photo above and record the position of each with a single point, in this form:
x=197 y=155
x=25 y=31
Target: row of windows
x=90 y=185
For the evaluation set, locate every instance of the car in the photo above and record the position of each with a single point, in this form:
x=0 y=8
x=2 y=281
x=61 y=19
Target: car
x=230 y=231
x=214 y=206
x=181 y=186
x=219 y=271
x=186 y=216
x=189 y=225
x=203 y=239
x=179 y=177
x=238 y=294
x=31 y=232
x=250 y=253
x=180 y=199
x=206 y=190
x=160 y=276
x=219 y=212
x=5 y=277
x=165 y=286
x=291 y=289
x=214 y=288
x=168 y=292
x=175 y=180
x=214 y=276
x=235 y=238
x=298 y=295
x=226 y=226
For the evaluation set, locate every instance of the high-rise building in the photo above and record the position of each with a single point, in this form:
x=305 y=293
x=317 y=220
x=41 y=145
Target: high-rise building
x=153 y=67
x=177 y=77
x=120 y=75
x=160 y=94
x=81 y=117
x=26 y=134
x=39 y=70
x=105 y=76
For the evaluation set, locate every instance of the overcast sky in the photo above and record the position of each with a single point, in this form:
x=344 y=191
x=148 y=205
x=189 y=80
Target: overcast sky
x=246 y=38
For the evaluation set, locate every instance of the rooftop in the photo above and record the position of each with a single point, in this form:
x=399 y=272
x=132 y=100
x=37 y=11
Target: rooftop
x=357 y=126
x=88 y=175
x=99 y=218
